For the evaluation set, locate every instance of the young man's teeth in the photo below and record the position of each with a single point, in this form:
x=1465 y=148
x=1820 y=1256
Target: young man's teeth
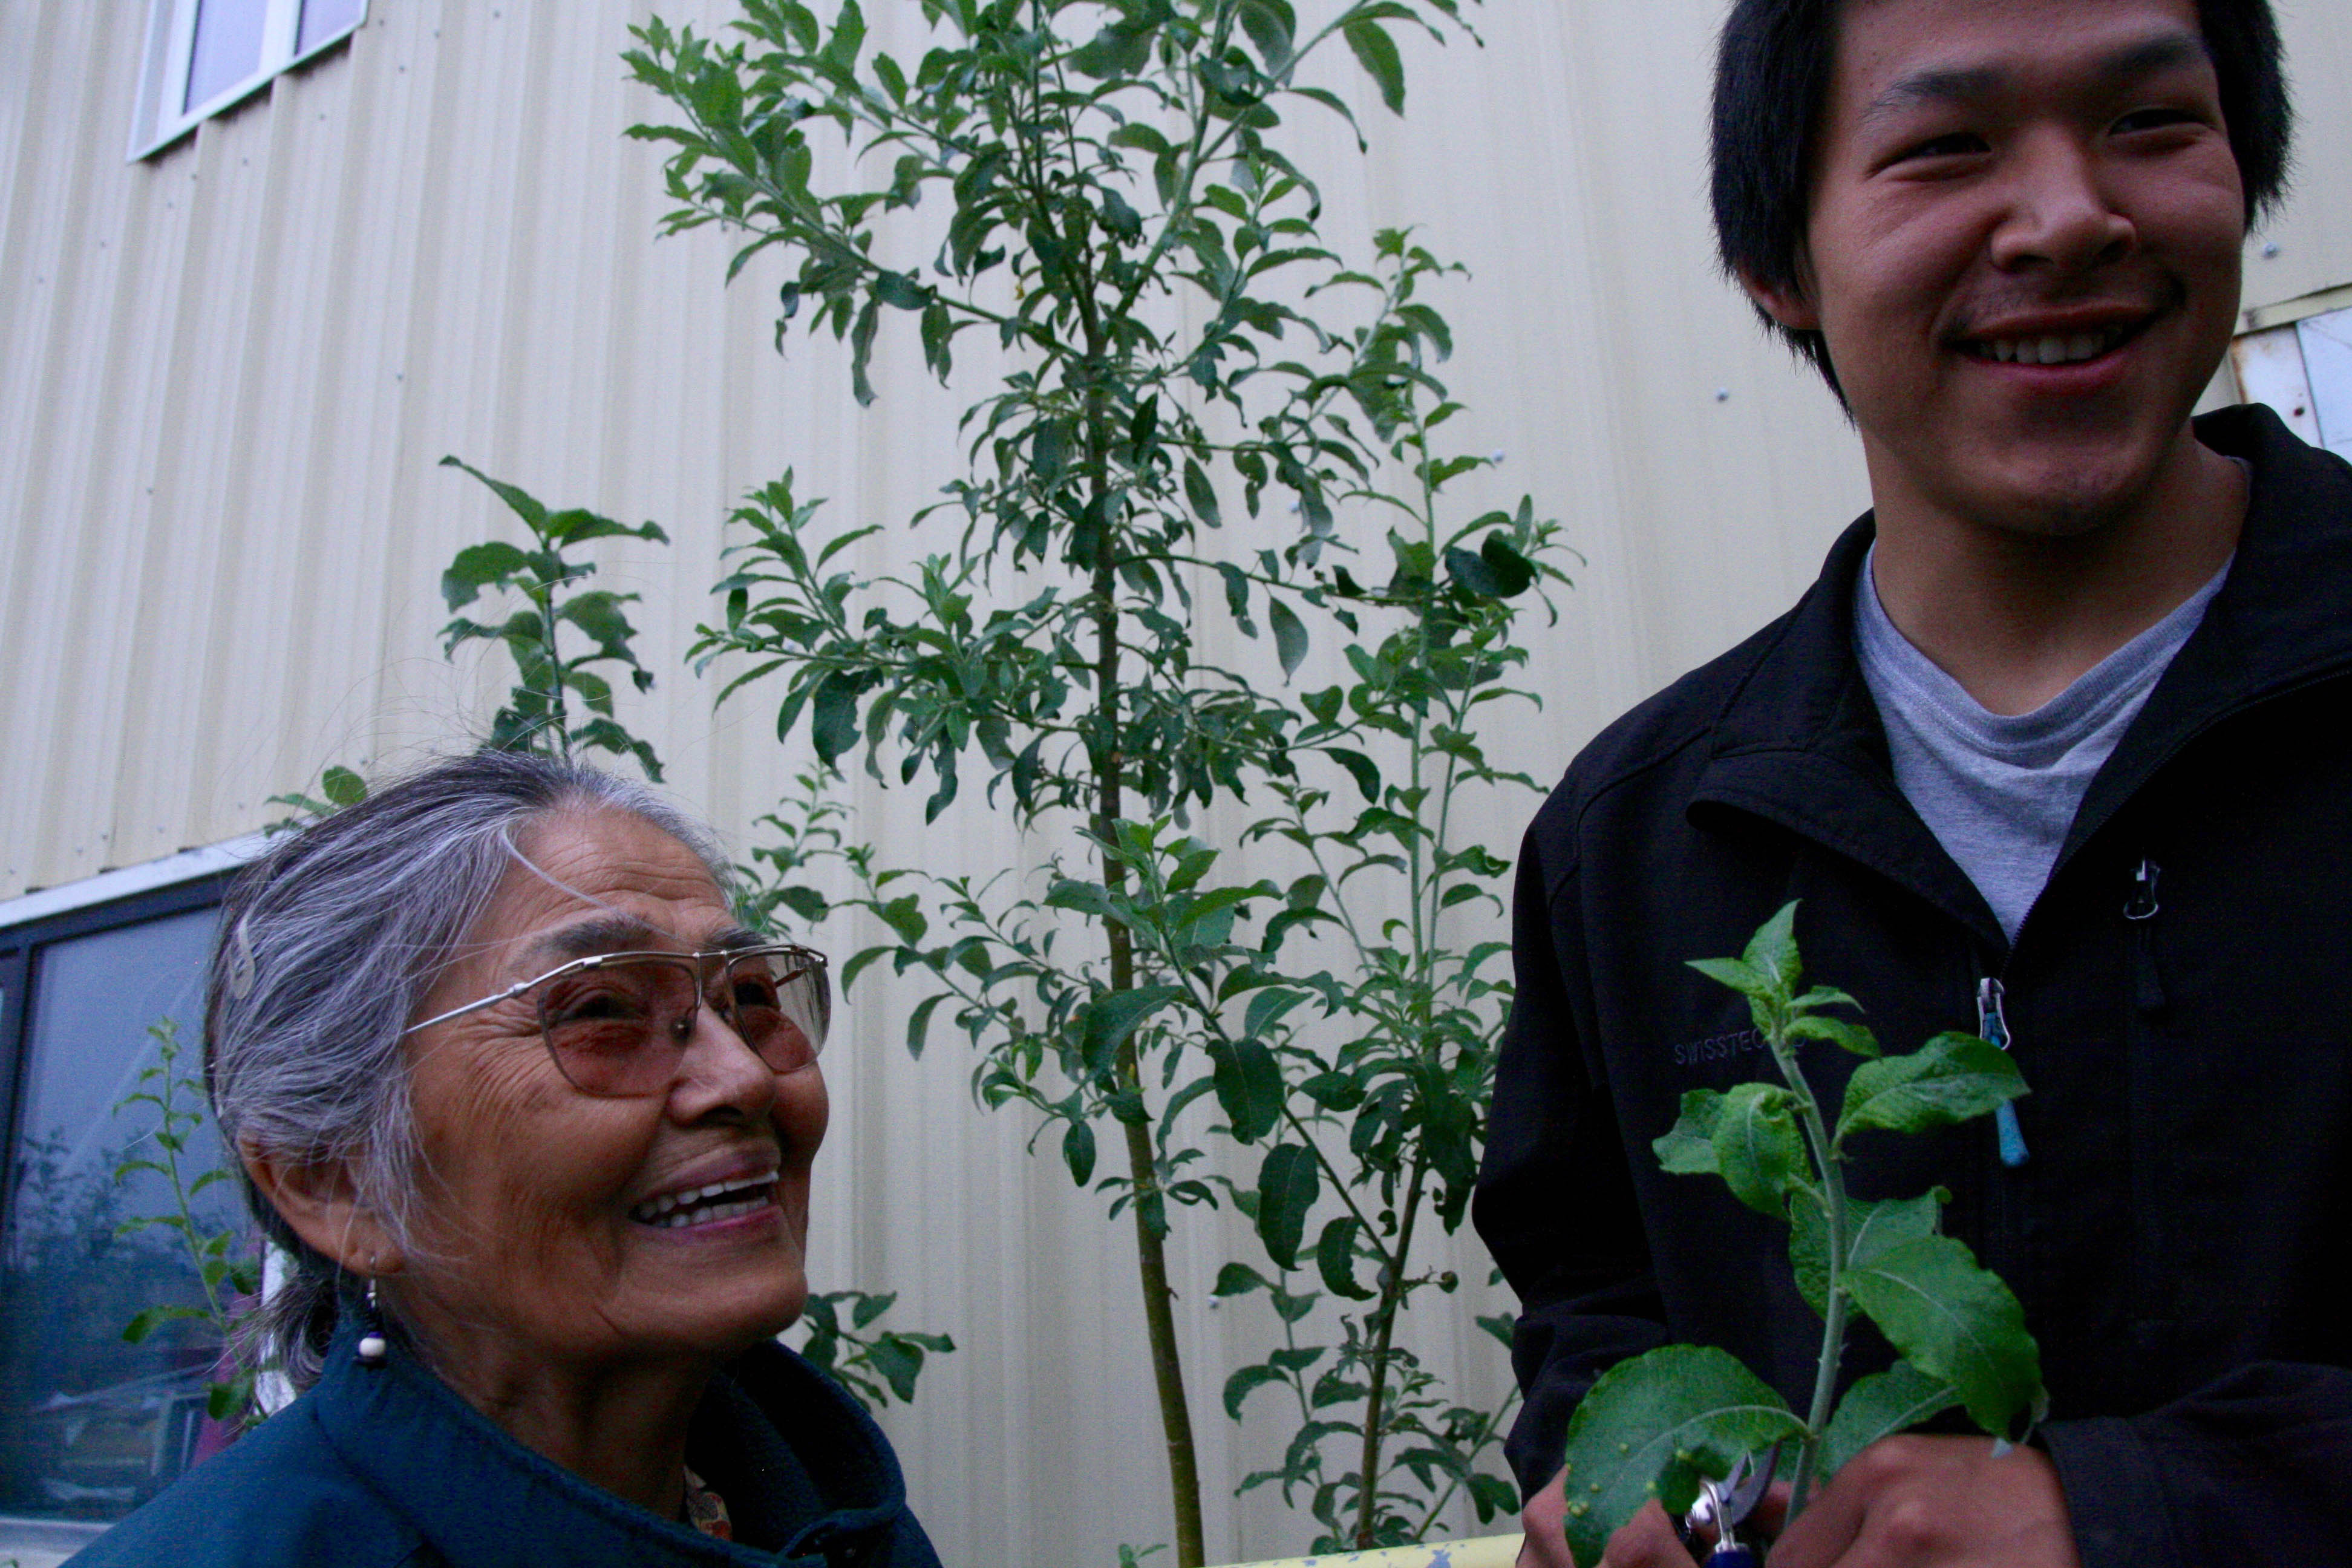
x=2050 y=350
x=672 y=1210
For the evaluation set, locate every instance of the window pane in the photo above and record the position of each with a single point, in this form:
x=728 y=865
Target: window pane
x=228 y=47
x=91 y=1425
x=2328 y=359
x=322 y=19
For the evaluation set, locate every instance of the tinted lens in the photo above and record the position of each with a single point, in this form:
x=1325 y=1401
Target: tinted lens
x=779 y=1002
x=614 y=1030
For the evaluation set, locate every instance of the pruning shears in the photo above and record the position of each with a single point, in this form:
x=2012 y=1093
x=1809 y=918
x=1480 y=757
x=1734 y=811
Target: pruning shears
x=1725 y=1503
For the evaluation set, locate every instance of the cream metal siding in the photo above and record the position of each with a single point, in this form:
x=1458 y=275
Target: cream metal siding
x=229 y=372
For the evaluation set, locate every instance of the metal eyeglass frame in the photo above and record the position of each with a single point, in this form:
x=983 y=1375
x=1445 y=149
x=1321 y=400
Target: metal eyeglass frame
x=811 y=961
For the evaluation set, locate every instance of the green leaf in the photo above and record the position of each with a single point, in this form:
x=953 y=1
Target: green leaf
x=1473 y=573
x=1837 y=1032
x=1078 y=1151
x=1759 y=1149
x=1244 y=1382
x=833 y=715
x=1239 y=1279
x=1871 y=1228
x=1514 y=573
x=341 y=786
x=1289 y=635
x=1202 y=497
x=155 y=1317
x=1950 y=1079
x=861 y=352
x=1361 y=768
x=1141 y=137
x=1335 y=1259
x=1689 y=1149
x=519 y=501
x=898 y=1361
x=1117 y=50
x=1736 y=973
x=1880 y=1405
x=1377 y=53
x=1273 y=27
x=842 y=49
x=479 y=566
x=1954 y=1321
x=1249 y=1087
x=900 y=291
x=1288 y=1185
x=1112 y=1016
x=1772 y=951
x=1650 y=1427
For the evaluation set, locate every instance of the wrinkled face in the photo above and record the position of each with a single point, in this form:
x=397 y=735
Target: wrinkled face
x=552 y=1218
x=2023 y=248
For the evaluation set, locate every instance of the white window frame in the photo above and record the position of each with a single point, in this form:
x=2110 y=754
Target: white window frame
x=159 y=120
x=2269 y=356
x=48 y=1540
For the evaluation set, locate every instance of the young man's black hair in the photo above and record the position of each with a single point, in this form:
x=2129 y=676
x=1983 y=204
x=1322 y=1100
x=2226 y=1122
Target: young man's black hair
x=1771 y=79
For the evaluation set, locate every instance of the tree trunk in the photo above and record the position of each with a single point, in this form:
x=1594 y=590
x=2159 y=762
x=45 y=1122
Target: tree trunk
x=1151 y=1244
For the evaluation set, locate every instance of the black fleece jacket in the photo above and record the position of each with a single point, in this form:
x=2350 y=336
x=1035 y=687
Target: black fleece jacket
x=2180 y=1000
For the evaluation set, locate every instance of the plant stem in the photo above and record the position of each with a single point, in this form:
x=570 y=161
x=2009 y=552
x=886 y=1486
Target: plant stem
x=1828 y=1164
x=1392 y=1294
x=1148 y=1206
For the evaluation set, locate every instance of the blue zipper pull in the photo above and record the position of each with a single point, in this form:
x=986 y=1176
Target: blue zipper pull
x=1994 y=1027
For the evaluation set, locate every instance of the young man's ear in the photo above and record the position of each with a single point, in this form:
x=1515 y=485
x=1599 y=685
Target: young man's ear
x=1790 y=305
x=320 y=1201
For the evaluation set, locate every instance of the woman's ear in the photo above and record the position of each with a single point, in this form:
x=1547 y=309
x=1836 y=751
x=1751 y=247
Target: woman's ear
x=1790 y=304
x=320 y=1200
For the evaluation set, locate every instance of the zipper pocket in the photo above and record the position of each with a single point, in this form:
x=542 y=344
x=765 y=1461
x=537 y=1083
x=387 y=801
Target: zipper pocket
x=1994 y=1027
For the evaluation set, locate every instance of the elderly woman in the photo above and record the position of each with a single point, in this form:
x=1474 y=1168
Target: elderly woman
x=532 y=1115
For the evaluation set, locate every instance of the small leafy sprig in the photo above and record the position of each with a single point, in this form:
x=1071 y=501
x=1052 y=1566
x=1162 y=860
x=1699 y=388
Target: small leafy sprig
x=1652 y=1426
x=537 y=716
x=872 y=1365
x=178 y=1103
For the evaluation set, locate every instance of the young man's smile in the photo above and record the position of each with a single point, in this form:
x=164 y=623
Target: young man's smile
x=2023 y=251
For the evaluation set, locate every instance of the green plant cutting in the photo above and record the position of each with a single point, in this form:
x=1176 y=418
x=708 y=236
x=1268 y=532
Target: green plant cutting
x=1659 y=1425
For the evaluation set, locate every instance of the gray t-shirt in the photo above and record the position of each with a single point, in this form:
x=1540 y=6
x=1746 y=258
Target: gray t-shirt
x=1997 y=791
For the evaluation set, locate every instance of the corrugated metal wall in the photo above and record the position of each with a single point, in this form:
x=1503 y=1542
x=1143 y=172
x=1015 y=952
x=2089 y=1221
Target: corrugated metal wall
x=229 y=372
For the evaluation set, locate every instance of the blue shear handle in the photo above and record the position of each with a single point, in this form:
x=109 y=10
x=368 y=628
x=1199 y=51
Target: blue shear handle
x=1731 y=1557
x=2012 y=1139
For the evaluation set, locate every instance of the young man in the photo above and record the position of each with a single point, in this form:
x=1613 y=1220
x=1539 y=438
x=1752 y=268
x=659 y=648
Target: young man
x=2058 y=743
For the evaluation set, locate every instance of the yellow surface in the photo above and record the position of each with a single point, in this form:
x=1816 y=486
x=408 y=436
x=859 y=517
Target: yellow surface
x=1487 y=1552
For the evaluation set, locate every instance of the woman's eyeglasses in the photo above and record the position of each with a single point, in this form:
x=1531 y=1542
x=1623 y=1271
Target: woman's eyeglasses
x=616 y=1022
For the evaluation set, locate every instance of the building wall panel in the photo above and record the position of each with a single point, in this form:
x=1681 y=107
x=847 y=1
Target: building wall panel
x=232 y=369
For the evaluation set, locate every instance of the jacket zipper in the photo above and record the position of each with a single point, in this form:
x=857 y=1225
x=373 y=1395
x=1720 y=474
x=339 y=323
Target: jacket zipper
x=1994 y=1027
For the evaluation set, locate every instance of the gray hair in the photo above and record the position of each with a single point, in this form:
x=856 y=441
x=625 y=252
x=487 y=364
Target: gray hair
x=327 y=947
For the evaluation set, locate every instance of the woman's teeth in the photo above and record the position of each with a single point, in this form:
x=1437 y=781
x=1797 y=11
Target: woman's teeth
x=2069 y=350
x=703 y=1205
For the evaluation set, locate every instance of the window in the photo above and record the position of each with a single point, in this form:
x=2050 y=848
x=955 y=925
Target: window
x=204 y=55
x=2298 y=359
x=91 y=1425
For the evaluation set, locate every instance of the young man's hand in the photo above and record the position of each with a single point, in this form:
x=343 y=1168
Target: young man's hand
x=1648 y=1539
x=1905 y=1502
x=1545 y=1519
x=1934 y=1503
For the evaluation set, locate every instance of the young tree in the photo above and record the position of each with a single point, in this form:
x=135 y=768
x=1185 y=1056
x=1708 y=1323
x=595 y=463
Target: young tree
x=1179 y=338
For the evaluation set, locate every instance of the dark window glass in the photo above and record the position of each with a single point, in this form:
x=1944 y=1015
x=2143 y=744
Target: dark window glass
x=91 y=1425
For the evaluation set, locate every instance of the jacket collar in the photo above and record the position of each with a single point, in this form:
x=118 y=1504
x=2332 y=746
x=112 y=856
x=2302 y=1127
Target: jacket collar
x=484 y=1500
x=1799 y=742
